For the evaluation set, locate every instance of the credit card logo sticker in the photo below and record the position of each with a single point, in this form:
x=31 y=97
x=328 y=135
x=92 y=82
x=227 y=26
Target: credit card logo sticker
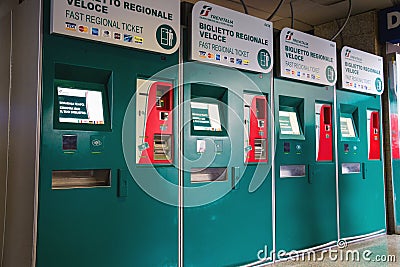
x=70 y=26
x=117 y=36
x=128 y=38
x=138 y=40
x=83 y=29
x=95 y=31
x=106 y=33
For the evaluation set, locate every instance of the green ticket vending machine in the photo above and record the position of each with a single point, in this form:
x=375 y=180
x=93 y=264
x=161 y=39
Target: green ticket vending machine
x=227 y=201
x=305 y=162
x=360 y=159
x=100 y=60
x=393 y=67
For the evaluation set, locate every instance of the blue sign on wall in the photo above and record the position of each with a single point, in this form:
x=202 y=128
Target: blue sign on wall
x=389 y=25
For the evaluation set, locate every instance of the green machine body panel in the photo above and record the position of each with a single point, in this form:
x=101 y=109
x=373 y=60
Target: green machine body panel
x=396 y=192
x=361 y=182
x=112 y=222
x=396 y=189
x=394 y=109
x=305 y=186
x=225 y=224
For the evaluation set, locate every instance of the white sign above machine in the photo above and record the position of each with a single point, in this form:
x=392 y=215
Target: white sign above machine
x=307 y=58
x=144 y=24
x=226 y=37
x=361 y=71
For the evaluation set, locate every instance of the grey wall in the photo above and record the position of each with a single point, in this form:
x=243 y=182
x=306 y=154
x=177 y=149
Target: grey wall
x=6 y=6
x=5 y=45
x=361 y=32
x=23 y=144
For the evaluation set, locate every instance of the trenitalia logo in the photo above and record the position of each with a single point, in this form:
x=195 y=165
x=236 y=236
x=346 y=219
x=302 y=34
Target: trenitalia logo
x=205 y=11
x=350 y=56
x=290 y=39
x=289 y=35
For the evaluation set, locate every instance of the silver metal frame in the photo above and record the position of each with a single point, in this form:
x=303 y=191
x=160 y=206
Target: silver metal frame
x=180 y=159
x=335 y=120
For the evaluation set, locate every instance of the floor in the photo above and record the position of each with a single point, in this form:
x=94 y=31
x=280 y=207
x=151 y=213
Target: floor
x=379 y=251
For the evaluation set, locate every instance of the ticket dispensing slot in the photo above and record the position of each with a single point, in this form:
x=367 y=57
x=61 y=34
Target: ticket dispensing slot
x=351 y=168
x=67 y=179
x=255 y=121
x=162 y=147
x=292 y=171
x=154 y=120
x=374 y=148
x=260 y=152
x=198 y=175
x=323 y=123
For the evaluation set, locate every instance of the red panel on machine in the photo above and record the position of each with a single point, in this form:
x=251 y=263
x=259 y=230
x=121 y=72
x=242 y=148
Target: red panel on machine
x=395 y=136
x=374 y=137
x=325 y=134
x=158 y=125
x=258 y=130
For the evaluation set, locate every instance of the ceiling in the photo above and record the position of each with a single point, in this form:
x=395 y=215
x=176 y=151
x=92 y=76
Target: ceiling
x=307 y=13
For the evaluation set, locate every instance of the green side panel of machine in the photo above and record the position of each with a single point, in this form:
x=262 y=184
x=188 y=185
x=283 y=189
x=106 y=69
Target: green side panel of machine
x=114 y=225
x=225 y=224
x=361 y=193
x=305 y=201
